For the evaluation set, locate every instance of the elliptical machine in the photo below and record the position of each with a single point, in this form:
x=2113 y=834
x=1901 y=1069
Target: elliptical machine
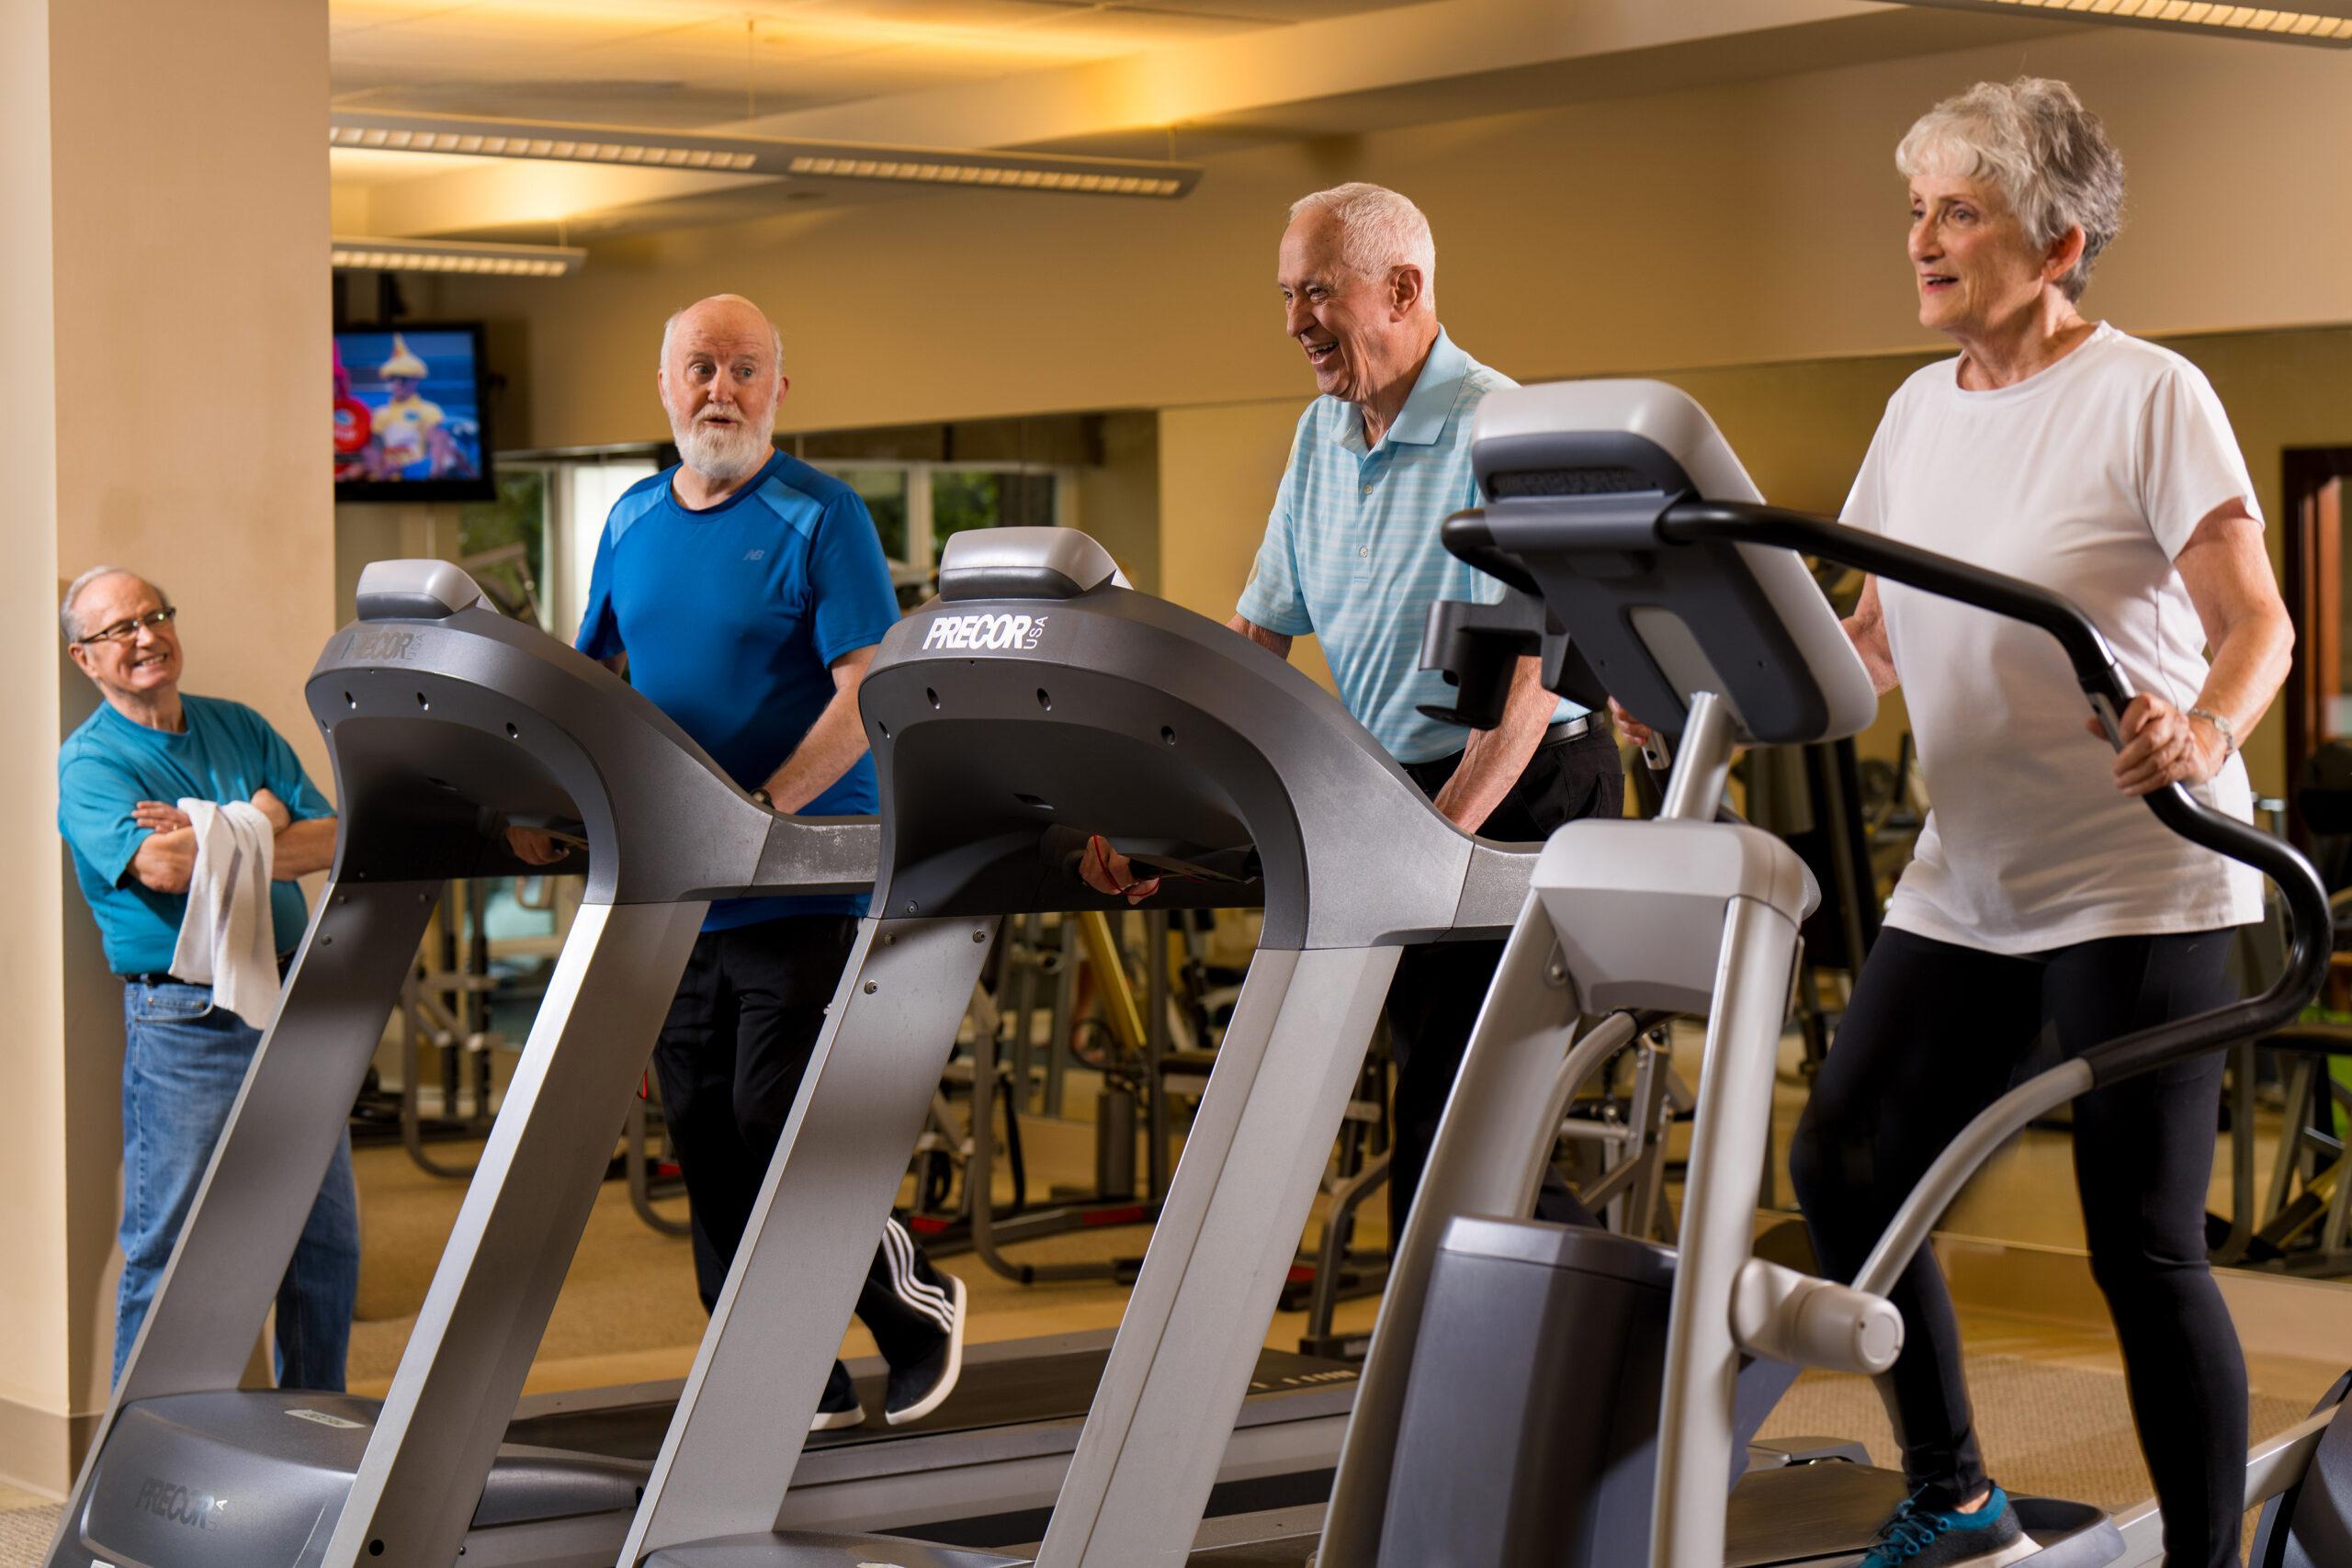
x=1623 y=521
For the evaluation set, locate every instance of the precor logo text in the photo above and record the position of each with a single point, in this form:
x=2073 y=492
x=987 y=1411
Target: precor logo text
x=983 y=631
x=197 y=1510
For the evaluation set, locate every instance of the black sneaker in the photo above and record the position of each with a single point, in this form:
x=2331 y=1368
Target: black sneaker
x=923 y=1385
x=840 y=1407
x=1922 y=1535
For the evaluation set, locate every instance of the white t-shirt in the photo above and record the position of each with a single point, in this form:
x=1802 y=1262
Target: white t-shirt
x=2087 y=477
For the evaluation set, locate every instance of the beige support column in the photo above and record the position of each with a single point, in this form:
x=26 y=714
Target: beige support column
x=163 y=373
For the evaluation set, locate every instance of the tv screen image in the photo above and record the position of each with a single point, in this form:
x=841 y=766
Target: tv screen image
x=407 y=413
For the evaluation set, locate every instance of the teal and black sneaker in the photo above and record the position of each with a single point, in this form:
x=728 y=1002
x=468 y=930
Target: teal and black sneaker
x=1923 y=1536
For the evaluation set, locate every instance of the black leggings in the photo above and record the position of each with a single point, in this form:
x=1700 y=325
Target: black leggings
x=1934 y=1034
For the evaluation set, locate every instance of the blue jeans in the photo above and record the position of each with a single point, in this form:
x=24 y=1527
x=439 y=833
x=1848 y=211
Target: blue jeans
x=184 y=1063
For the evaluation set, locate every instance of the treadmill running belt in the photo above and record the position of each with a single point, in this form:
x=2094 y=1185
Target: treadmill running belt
x=1007 y=1391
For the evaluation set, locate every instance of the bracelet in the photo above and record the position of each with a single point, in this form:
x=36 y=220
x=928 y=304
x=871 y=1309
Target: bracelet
x=761 y=796
x=2221 y=727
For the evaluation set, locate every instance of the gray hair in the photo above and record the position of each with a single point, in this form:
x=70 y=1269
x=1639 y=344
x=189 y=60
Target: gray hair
x=2049 y=155
x=70 y=623
x=669 y=327
x=1378 y=229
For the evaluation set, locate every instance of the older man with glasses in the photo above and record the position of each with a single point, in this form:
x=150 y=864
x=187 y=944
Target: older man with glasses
x=121 y=777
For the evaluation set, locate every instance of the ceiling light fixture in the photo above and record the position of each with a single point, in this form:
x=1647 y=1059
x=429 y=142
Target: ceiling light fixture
x=354 y=255
x=2325 y=23
x=615 y=147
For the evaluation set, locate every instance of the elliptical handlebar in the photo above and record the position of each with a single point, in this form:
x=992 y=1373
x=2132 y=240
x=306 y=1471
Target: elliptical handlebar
x=2310 y=926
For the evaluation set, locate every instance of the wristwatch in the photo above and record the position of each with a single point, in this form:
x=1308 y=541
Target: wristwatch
x=2221 y=727
x=760 y=794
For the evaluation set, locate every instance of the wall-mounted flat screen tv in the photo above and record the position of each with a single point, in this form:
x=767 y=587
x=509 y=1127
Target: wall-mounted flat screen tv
x=409 y=415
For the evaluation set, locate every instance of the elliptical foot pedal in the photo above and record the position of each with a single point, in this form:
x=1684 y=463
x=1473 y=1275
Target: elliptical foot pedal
x=2072 y=1535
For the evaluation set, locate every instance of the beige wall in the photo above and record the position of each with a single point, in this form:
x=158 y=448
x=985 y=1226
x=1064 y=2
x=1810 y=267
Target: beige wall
x=1218 y=468
x=1755 y=222
x=164 y=292
x=1117 y=499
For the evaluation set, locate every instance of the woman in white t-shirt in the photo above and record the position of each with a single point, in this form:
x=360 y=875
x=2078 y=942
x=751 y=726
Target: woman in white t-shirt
x=2043 y=892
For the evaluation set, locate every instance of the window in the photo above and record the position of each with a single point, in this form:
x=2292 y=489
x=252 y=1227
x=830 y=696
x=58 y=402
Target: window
x=504 y=543
x=884 y=492
x=917 y=507
x=586 y=491
x=560 y=499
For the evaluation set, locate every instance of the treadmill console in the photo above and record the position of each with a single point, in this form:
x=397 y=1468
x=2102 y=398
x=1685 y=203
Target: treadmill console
x=1025 y=563
x=417 y=591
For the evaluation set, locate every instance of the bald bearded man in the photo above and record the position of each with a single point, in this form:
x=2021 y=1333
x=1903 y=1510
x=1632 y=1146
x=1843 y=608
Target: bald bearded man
x=743 y=592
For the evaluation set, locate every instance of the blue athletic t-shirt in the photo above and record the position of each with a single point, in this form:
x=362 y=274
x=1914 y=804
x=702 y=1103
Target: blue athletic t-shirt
x=110 y=763
x=732 y=617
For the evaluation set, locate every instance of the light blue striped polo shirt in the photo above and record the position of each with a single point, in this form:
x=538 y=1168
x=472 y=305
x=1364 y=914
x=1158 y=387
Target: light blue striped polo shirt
x=1352 y=552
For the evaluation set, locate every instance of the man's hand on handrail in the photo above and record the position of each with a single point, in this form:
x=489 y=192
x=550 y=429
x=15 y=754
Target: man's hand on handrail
x=1105 y=869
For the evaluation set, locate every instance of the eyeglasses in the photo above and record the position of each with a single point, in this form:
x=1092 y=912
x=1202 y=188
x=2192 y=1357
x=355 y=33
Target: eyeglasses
x=123 y=631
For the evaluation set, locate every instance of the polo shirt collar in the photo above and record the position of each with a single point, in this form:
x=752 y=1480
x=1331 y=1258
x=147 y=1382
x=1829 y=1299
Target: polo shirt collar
x=1426 y=407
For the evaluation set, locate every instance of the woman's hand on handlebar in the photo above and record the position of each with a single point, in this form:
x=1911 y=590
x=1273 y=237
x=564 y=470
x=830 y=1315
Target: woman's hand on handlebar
x=1105 y=869
x=2162 y=746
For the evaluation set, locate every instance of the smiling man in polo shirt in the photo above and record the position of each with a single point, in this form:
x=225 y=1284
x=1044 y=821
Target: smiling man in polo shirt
x=1352 y=555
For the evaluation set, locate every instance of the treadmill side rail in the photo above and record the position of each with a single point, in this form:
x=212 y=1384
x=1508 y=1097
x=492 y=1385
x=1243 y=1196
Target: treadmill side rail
x=1501 y=1101
x=1252 y=1162
x=521 y=1222
x=781 y=1314
x=257 y=1194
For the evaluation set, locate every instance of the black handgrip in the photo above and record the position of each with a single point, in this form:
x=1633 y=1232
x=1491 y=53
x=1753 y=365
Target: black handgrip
x=1476 y=647
x=1466 y=538
x=2309 y=924
x=1476 y=644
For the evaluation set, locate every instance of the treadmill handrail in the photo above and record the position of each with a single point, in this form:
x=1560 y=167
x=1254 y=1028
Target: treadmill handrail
x=2310 y=926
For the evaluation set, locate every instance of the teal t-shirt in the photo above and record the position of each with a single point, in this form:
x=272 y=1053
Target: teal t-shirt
x=110 y=763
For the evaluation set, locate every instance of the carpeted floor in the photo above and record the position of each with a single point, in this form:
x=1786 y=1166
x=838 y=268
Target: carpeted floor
x=25 y=1534
x=2050 y=1430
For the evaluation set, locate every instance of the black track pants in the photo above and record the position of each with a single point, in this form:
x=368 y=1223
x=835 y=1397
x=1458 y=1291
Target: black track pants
x=1934 y=1034
x=731 y=1059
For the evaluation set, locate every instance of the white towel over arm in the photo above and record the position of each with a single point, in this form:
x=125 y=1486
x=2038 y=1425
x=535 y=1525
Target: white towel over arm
x=228 y=937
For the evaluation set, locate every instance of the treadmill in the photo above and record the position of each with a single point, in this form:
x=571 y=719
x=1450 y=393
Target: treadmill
x=446 y=720
x=1039 y=700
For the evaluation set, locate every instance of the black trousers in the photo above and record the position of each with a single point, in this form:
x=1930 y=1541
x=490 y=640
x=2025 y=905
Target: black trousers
x=1433 y=1001
x=731 y=1058
x=1935 y=1033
